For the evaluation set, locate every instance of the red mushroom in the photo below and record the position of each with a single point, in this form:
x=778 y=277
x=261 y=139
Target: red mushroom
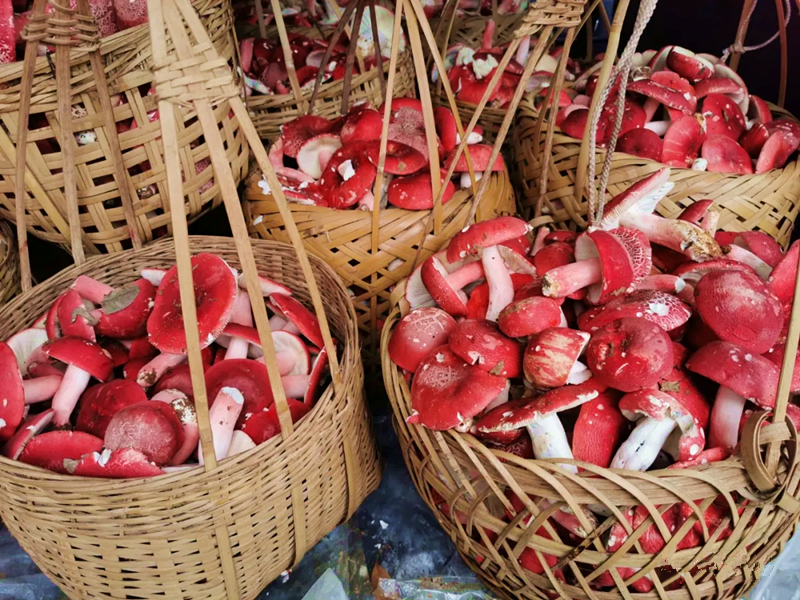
x=776 y=151
x=718 y=85
x=445 y=287
x=123 y=311
x=724 y=155
x=629 y=354
x=101 y=402
x=599 y=429
x=723 y=117
x=85 y=360
x=447 y=391
x=415 y=335
x=215 y=292
x=316 y=152
x=682 y=143
x=740 y=308
x=529 y=316
x=783 y=276
x=688 y=64
x=480 y=343
x=362 y=124
x=152 y=428
x=264 y=425
x=50 y=450
x=641 y=142
x=414 y=192
x=248 y=377
x=551 y=358
x=296 y=132
x=125 y=463
x=754 y=139
x=306 y=321
x=30 y=428
x=742 y=376
x=74 y=318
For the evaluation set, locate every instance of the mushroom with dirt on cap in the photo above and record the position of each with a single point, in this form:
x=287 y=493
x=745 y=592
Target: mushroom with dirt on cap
x=123 y=311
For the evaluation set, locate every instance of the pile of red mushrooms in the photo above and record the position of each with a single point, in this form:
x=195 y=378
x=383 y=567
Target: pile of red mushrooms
x=643 y=343
x=334 y=163
x=689 y=111
x=100 y=386
x=111 y=16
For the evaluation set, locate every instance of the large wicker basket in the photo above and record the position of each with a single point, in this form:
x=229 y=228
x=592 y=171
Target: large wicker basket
x=129 y=68
x=9 y=264
x=465 y=484
x=98 y=538
x=768 y=202
x=343 y=239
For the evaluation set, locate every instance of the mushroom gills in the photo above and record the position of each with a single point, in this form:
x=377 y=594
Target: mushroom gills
x=643 y=444
x=550 y=440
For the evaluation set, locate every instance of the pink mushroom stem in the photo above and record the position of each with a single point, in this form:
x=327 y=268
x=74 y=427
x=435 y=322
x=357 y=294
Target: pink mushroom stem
x=710 y=222
x=465 y=275
x=91 y=289
x=367 y=201
x=241 y=315
x=66 y=398
x=295 y=386
x=726 y=414
x=43 y=369
x=501 y=288
x=41 y=388
x=570 y=278
x=488 y=34
x=276 y=323
x=671 y=284
x=538 y=242
x=746 y=257
x=681 y=236
x=223 y=415
x=523 y=49
x=155 y=369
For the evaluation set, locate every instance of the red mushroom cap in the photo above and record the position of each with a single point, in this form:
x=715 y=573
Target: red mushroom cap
x=177 y=378
x=480 y=155
x=344 y=193
x=215 y=291
x=599 y=429
x=74 y=318
x=264 y=424
x=152 y=428
x=761 y=244
x=12 y=409
x=717 y=85
x=83 y=354
x=249 y=377
x=689 y=65
x=125 y=463
x=401 y=159
x=554 y=255
x=296 y=132
x=124 y=311
x=666 y=95
x=629 y=354
x=641 y=142
x=32 y=427
x=725 y=156
x=446 y=391
x=362 y=124
x=759 y=110
x=414 y=192
x=101 y=402
x=682 y=143
x=529 y=316
x=318 y=369
x=784 y=275
x=415 y=335
x=776 y=355
x=790 y=128
x=480 y=343
x=723 y=116
x=303 y=319
x=49 y=450
x=776 y=151
x=740 y=308
x=663 y=309
x=744 y=372
x=474 y=238
x=551 y=356
x=446 y=127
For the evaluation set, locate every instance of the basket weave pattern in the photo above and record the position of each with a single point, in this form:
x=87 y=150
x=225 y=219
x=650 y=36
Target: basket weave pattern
x=342 y=238
x=270 y=112
x=156 y=537
x=768 y=202
x=465 y=483
x=9 y=264
x=128 y=62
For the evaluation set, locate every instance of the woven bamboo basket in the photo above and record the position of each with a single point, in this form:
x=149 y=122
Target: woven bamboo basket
x=224 y=530
x=9 y=264
x=549 y=168
x=103 y=226
x=342 y=238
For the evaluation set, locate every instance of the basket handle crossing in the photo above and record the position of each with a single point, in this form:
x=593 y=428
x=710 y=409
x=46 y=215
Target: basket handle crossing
x=65 y=28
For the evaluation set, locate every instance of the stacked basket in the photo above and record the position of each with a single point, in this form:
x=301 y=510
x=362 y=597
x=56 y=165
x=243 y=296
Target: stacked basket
x=228 y=529
x=9 y=264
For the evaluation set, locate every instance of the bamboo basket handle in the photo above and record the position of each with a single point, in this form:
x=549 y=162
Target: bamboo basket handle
x=262 y=25
x=66 y=28
x=287 y=54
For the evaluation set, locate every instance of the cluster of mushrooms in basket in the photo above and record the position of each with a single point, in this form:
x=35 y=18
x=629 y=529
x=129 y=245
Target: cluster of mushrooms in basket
x=685 y=110
x=100 y=385
x=643 y=343
x=334 y=163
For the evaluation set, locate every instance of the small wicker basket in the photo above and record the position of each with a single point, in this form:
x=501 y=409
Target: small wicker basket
x=127 y=57
x=9 y=264
x=225 y=530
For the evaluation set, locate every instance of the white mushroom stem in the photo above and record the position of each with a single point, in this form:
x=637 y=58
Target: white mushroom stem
x=568 y=279
x=657 y=127
x=223 y=415
x=710 y=222
x=538 y=242
x=644 y=443
x=91 y=289
x=241 y=442
x=154 y=276
x=41 y=388
x=241 y=315
x=746 y=257
x=523 y=49
x=155 y=369
x=563 y=322
x=501 y=289
x=550 y=440
x=66 y=398
x=466 y=180
x=726 y=414
x=295 y=386
x=579 y=373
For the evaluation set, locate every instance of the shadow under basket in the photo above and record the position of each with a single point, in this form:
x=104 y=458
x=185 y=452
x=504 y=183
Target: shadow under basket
x=9 y=264
x=127 y=56
x=157 y=537
x=769 y=202
x=269 y=113
x=465 y=484
x=343 y=239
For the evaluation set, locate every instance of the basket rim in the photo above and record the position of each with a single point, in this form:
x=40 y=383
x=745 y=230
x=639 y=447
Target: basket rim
x=302 y=434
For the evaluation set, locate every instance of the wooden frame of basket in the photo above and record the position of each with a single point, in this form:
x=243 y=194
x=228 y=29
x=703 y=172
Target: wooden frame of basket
x=197 y=76
x=769 y=202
